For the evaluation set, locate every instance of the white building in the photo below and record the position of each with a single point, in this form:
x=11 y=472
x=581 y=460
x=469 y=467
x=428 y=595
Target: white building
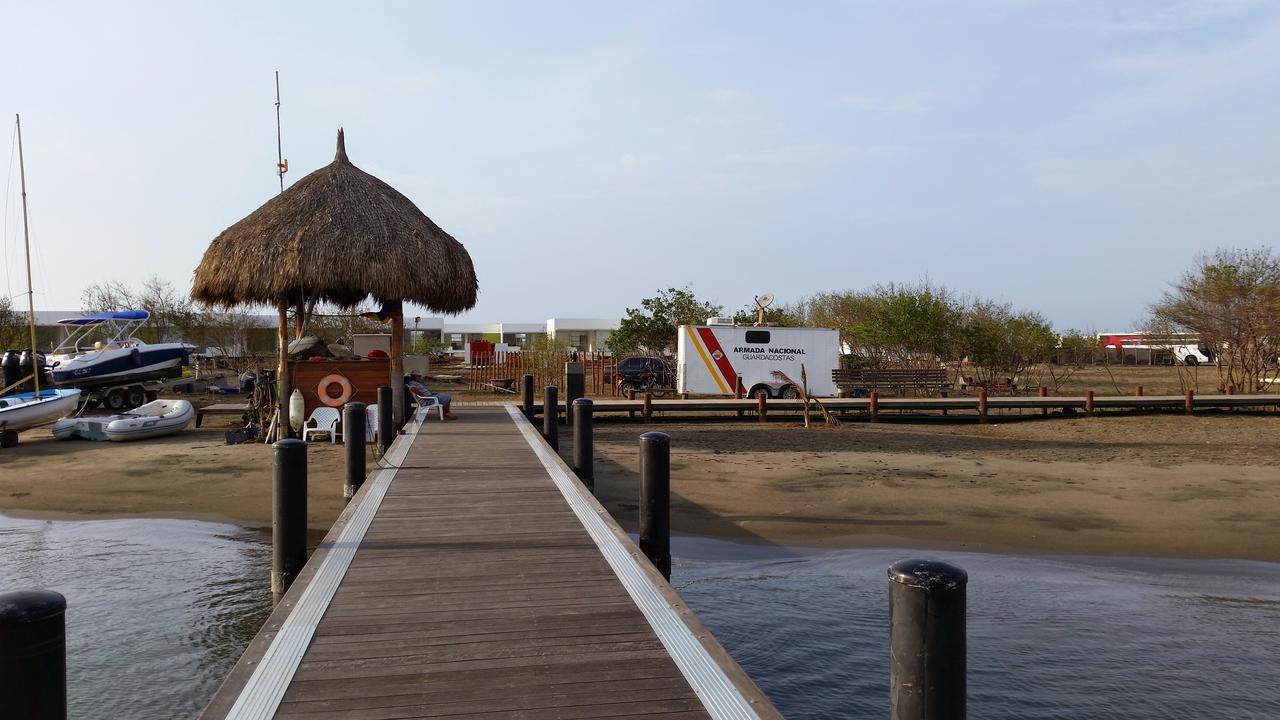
x=585 y=334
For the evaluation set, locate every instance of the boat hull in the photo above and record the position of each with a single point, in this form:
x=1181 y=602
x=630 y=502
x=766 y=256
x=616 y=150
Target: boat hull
x=23 y=410
x=121 y=366
x=162 y=417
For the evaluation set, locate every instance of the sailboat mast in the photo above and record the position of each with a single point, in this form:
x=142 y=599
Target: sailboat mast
x=26 y=239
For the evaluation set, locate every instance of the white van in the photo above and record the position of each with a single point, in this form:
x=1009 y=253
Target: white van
x=711 y=358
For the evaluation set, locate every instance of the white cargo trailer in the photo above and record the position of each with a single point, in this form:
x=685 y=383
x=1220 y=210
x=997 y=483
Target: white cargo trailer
x=711 y=358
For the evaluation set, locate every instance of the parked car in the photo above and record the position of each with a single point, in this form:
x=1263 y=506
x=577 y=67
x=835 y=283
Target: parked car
x=642 y=373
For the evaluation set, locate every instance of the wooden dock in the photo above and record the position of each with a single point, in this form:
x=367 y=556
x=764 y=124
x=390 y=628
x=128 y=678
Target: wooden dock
x=676 y=406
x=474 y=577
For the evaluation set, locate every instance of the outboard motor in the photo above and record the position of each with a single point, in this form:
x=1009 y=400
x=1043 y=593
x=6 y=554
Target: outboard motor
x=46 y=372
x=247 y=380
x=26 y=366
x=11 y=364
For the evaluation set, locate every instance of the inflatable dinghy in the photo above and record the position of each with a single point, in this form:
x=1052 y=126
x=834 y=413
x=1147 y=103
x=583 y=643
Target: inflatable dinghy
x=162 y=417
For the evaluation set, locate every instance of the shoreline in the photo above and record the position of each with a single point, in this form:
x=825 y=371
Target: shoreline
x=704 y=548
x=1145 y=486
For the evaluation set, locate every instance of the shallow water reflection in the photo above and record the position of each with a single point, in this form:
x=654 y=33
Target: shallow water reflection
x=157 y=610
x=1049 y=637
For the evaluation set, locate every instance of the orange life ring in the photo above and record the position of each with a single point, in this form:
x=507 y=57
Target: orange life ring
x=323 y=390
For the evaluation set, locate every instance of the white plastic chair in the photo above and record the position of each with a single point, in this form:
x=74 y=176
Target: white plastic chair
x=326 y=420
x=371 y=423
x=426 y=403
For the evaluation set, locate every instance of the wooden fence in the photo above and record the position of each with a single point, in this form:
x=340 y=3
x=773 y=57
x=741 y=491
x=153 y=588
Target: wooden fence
x=504 y=370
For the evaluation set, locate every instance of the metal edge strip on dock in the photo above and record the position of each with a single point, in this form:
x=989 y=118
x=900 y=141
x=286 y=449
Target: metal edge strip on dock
x=262 y=693
x=721 y=697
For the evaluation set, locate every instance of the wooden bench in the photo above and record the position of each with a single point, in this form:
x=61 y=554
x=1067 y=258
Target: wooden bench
x=898 y=380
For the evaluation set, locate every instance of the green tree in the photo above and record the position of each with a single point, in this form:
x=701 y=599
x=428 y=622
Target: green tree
x=1230 y=300
x=910 y=324
x=899 y=324
x=776 y=316
x=1002 y=342
x=651 y=328
x=846 y=311
x=14 y=332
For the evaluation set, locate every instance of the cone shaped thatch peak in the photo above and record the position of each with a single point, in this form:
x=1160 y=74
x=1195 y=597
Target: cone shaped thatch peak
x=341 y=154
x=338 y=235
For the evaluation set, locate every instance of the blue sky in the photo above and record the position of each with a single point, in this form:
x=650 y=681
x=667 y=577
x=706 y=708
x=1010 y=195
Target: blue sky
x=1069 y=157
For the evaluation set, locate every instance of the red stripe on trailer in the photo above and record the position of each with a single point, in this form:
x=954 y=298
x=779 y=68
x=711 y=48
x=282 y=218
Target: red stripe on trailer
x=719 y=356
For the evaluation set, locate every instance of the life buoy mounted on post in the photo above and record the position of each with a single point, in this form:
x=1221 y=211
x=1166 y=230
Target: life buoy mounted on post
x=322 y=390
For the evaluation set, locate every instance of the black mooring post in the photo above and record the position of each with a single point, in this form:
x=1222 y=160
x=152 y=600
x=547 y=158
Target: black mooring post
x=386 y=427
x=926 y=640
x=353 y=436
x=655 y=500
x=550 y=423
x=527 y=388
x=33 y=654
x=575 y=386
x=583 y=443
x=289 y=514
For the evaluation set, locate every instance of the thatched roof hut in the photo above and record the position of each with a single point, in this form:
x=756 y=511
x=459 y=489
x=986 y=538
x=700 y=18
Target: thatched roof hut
x=337 y=235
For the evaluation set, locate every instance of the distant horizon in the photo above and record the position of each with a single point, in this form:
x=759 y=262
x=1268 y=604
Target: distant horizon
x=1070 y=159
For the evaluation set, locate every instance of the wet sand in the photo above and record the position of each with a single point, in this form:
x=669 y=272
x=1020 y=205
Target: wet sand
x=193 y=474
x=1158 y=485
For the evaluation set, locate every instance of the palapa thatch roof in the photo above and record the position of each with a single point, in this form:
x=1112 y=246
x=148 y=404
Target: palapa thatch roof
x=337 y=235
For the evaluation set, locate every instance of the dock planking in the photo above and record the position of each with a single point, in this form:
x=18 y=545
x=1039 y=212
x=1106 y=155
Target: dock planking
x=477 y=579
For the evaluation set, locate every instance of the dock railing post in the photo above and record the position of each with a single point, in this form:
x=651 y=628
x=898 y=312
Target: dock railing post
x=646 y=406
x=288 y=514
x=575 y=386
x=33 y=654
x=386 y=428
x=739 y=391
x=655 y=500
x=353 y=437
x=982 y=405
x=873 y=406
x=526 y=388
x=584 y=443
x=1138 y=391
x=1189 y=402
x=762 y=407
x=926 y=641
x=1044 y=392
x=550 y=416
x=1088 y=402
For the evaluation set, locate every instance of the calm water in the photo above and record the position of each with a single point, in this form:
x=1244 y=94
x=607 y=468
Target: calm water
x=157 y=610
x=1049 y=637
x=160 y=610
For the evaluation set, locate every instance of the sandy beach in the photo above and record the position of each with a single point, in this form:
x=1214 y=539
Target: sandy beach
x=193 y=474
x=1160 y=485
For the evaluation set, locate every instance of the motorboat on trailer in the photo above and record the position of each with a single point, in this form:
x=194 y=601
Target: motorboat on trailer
x=24 y=410
x=161 y=417
x=120 y=359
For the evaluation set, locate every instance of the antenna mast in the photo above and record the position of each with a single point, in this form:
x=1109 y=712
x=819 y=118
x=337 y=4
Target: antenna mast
x=26 y=239
x=282 y=165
